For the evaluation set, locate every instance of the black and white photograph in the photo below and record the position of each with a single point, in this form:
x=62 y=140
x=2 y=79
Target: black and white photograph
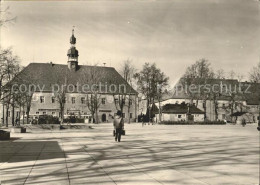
x=129 y=92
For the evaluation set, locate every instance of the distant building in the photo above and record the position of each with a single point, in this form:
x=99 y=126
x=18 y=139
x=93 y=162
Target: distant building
x=78 y=79
x=221 y=108
x=240 y=116
x=180 y=112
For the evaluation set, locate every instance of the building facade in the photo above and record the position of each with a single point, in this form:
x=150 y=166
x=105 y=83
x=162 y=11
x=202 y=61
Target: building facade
x=78 y=83
x=245 y=100
x=180 y=112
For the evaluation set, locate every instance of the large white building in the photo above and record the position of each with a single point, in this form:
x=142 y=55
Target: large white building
x=79 y=82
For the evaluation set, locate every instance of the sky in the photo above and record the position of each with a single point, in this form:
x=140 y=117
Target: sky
x=173 y=34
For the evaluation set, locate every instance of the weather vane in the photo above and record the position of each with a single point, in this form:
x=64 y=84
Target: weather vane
x=73 y=29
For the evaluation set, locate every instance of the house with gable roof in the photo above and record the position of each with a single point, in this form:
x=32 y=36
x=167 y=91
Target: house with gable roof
x=79 y=81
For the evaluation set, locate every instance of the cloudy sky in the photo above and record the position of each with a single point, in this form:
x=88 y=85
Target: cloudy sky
x=173 y=34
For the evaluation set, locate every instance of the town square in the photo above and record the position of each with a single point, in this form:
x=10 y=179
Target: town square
x=130 y=92
x=152 y=154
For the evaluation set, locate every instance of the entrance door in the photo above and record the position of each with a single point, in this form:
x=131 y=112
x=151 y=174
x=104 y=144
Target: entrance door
x=190 y=117
x=104 y=118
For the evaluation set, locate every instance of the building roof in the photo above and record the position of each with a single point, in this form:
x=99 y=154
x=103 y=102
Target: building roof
x=180 y=109
x=253 y=97
x=238 y=114
x=48 y=74
x=244 y=91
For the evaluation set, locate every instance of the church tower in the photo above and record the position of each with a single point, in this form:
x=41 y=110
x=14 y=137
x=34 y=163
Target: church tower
x=73 y=54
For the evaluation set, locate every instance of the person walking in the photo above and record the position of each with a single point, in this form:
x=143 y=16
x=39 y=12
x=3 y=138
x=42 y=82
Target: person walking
x=118 y=125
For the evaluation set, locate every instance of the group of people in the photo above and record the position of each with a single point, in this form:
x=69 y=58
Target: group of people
x=146 y=119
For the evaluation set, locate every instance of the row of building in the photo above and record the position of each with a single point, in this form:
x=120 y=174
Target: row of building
x=230 y=104
x=80 y=81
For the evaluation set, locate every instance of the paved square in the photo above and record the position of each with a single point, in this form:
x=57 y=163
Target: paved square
x=153 y=154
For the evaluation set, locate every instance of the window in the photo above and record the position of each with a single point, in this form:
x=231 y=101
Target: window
x=103 y=101
x=131 y=115
x=53 y=113
x=44 y=113
x=52 y=99
x=41 y=99
x=130 y=102
x=37 y=112
x=179 y=116
x=83 y=100
x=73 y=100
x=123 y=115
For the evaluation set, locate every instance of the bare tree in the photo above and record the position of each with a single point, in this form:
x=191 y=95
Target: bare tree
x=254 y=75
x=151 y=80
x=21 y=102
x=93 y=100
x=220 y=74
x=6 y=16
x=5 y=68
x=232 y=74
x=198 y=75
x=93 y=103
x=60 y=97
x=9 y=68
x=28 y=101
x=22 y=92
x=162 y=89
x=120 y=101
x=234 y=94
x=127 y=72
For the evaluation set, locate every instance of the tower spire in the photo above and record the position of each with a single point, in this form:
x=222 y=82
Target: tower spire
x=73 y=53
x=72 y=38
x=73 y=30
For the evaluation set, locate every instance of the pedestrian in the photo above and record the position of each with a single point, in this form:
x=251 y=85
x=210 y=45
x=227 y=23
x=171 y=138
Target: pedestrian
x=16 y=121
x=154 y=120
x=143 y=120
x=118 y=125
x=243 y=122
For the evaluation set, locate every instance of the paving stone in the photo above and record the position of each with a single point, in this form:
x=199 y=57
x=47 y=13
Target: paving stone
x=153 y=154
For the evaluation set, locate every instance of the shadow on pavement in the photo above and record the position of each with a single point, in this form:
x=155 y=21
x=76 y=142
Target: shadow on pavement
x=21 y=151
